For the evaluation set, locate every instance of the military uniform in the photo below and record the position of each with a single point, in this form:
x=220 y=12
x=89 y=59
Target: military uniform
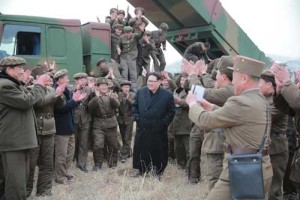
x=197 y=133
x=244 y=120
x=43 y=154
x=115 y=40
x=125 y=120
x=181 y=129
x=213 y=144
x=195 y=52
x=129 y=53
x=17 y=129
x=287 y=101
x=82 y=125
x=105 y=124
x=159 y=38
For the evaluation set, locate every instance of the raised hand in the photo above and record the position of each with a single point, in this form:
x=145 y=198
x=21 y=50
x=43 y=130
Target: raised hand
x=60 y=89
x=206 y=105
x=26 y=76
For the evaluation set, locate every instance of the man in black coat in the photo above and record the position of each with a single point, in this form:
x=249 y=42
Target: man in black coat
x=153 y=109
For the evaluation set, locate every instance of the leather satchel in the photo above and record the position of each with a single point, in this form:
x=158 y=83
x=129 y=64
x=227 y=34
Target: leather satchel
x=245 y=173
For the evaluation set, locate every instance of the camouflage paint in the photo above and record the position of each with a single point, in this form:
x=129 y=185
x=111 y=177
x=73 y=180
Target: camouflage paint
x=70 y=37
x=201 y=20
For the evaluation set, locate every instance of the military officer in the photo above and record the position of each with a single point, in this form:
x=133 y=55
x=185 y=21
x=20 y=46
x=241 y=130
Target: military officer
x=243 y=117
x=43 y=154
x=279 y=145
x=125 y=119
x=82 y=122
x=115 y=40
x=17 y=126
x=102 y=108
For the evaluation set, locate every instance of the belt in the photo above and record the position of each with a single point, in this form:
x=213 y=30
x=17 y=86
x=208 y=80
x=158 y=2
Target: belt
x=126 y=115
x=105 y=116
x=241 y=150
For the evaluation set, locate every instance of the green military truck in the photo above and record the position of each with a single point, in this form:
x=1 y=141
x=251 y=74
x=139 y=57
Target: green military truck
x=71 y=45
x=78 y=47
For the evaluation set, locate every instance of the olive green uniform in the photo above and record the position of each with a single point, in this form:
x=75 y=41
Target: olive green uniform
x=105 y=124
x=125 y=120
x=213 y=144
x=43 y=154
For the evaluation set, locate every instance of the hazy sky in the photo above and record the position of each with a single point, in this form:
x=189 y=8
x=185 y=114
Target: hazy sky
x=273 y=25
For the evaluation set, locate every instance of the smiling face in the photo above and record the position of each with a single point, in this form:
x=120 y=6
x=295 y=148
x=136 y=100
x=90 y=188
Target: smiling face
x=153 y=84
x=15 y=72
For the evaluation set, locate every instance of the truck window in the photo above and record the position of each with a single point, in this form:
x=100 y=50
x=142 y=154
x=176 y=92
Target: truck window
x=20 y=40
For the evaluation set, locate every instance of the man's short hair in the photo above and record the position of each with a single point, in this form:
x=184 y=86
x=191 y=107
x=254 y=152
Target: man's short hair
x=156 y=74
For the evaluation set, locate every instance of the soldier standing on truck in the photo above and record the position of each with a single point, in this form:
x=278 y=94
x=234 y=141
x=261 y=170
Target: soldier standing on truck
x=115 y=40
x=138 y=20
x=159 y=38
x=128 y=51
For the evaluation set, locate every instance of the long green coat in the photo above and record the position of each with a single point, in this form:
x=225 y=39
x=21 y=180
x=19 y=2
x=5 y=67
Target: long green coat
x=17 y=119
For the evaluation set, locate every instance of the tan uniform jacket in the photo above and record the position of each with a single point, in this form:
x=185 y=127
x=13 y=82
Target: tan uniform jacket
x=244 y=121
x=214 y=140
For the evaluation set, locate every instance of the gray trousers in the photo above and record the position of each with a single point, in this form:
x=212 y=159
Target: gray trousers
x=43 y=157
x=15 y=173
x=64 y=153
x=129 y=71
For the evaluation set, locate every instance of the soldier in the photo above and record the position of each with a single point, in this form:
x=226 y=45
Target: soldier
x=16 y=138
x=145 y=48
x=181 y=124
x=128 y=51
x=243 y=118
x=138 y=20
x=82 y=121
x=286 y=99
x=159 y=38
x=198 y=77
x=43 y=154
x=115 y=40
x=112 y=18
x=125 y=119
x=197 y=51
x=65 y=128
x=279 y=145
x=101 y=69
x=102 y=108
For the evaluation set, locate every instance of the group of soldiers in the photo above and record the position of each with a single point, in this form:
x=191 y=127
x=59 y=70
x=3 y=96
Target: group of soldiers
x=132 y=46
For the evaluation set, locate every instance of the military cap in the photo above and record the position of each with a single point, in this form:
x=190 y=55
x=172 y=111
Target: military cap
x=39 y=70
x=125 y=82
x=121 y=12
x=90 y=78
x=79 y=75
x=147 y=33
x=139 y=8
x=247 y=65
x=112 y=10
x=223 y=63
x=127 y=29
x=101 y=60
x=101 y=80
x=268 y=77
x=164 y=26
x=119 y=26
x=60 y=73
x=12 y=61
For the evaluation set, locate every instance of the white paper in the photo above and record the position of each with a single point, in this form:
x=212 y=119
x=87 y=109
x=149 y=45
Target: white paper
x=198 y=90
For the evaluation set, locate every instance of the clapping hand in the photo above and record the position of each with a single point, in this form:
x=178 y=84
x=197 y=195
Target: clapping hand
x=188 y=67
x=42 y=80
x=78 y=96
x=26 y=76
x=60 y=89
x=281 y=74
x=201 y=67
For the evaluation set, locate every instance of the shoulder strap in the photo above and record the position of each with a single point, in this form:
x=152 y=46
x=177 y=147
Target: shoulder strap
x=266 y=130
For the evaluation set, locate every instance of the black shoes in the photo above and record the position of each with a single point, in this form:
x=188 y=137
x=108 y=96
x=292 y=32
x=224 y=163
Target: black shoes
x=83 y=169
x=96 y=168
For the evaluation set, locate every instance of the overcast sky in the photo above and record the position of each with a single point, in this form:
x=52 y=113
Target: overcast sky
x=273 y=25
